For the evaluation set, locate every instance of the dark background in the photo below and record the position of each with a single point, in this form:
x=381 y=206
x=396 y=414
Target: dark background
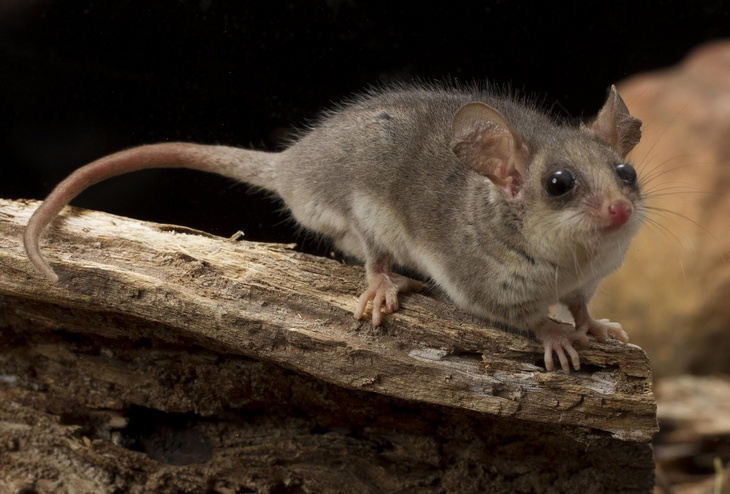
x=83 y=78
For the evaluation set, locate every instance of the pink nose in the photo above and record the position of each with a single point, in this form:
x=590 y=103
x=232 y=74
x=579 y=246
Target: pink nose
x=620 y=212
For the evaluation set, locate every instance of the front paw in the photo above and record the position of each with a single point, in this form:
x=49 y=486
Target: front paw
x=602 y=328
x=558 y=338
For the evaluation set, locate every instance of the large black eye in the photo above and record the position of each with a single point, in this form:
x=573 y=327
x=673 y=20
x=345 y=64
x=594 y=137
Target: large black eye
x=626 y=173
x=559 y=183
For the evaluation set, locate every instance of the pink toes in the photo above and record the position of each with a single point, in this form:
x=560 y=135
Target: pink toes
x=383 y=293
x=558 y=338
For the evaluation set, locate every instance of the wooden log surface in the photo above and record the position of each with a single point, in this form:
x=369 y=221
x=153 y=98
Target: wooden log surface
x=279 y=306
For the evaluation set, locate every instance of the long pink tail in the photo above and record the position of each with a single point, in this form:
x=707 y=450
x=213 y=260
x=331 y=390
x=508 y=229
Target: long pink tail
x=241 y=164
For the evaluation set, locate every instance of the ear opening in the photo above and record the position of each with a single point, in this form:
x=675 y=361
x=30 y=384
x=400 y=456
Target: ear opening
x=484 y=141
x=615 y=126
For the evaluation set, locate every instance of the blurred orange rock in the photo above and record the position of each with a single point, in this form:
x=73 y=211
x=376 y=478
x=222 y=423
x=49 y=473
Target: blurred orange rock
x=673 y=293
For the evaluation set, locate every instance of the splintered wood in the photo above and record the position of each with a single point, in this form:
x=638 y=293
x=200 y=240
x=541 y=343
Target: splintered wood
x=136 y=287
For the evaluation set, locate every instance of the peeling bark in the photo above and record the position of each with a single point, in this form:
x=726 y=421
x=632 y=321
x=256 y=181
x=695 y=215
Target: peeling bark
x=171 y=360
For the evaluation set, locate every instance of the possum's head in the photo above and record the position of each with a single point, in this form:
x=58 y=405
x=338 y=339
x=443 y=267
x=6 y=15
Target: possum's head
x=573 y=190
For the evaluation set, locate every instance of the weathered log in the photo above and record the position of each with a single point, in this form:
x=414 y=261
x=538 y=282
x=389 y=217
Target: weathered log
x=248 y=362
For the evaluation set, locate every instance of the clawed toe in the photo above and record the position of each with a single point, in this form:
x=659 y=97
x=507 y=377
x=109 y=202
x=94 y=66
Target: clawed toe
x=382 y=291
x=602 y=328
x=558 y=338
x=384 y=298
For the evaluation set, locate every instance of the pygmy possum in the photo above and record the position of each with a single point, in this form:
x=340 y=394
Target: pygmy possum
x=500 y=205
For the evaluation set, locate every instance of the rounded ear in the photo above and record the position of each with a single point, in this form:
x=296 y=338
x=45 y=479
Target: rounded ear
x=483 y=140
x=615 y=126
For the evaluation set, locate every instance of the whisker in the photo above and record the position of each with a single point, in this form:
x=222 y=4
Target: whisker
x=651 y=188
x=661 y=168
x=668 y=212
x=652 y=195
x=679 y=187
x=576 y=265
x=675 y=244
x=662 y=228
x=664 y=131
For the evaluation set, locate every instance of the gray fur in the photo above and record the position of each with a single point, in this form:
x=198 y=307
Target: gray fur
x=380 y=176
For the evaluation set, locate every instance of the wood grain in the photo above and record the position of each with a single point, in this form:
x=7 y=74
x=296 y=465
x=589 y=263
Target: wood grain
x=275 y=304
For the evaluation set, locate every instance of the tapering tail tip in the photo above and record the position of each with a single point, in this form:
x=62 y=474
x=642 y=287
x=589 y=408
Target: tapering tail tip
x=31 y=239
